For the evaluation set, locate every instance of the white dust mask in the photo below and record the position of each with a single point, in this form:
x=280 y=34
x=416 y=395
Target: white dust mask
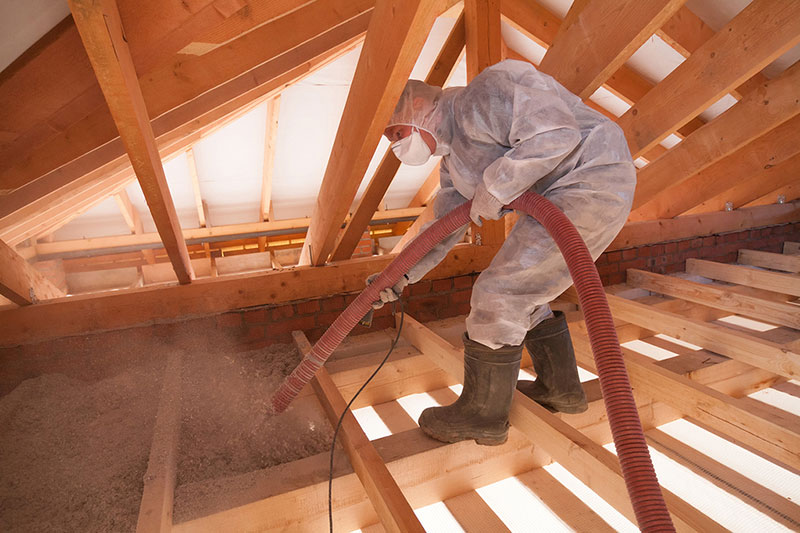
x=412 y=150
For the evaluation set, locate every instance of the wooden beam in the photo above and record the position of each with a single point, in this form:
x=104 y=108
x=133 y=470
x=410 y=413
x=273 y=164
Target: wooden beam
x=542 y=26
x=783 y=262
x=588 y=461
x=763 y=31
x=741 y=418
x=270 y=138
x=397 y=31
x=720 y=339
x=426 y=470
x=482 y=22
x=762 y=110
x=760 y=279
x=155 y=510
x=133 y=220
x=672 y=229
x=781 y=313
x=53 y=83
x=100 y=27
x=426 y=216
x=685 y=32
x=393 y=509
x=208 y=88
x=483 y=49
x=777 y=507
x=69 y=208
x=427 y=191
x=126 y=308
x=380 y=181
x=22 y=283
x=577 y=61
x=769 y=150
x=765 y=180
x=198 y=196
x=293 y=225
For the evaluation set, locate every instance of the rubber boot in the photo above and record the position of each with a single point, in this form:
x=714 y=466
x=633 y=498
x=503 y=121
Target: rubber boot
x=557 y=386
x=481 y=412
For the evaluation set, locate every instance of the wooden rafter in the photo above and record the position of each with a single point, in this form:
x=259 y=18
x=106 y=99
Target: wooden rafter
x=101 y=31
x=439 y=74
x=20 y=282
x=757 y=113
x=427 y=191
x=769 y=150
x=622 y=26
x=397 y=32
x=542 y=26
x=211 y=85
x=758 y=184
x=764 y=30
x=270 y=138
x=685 y=32
x=55 y=211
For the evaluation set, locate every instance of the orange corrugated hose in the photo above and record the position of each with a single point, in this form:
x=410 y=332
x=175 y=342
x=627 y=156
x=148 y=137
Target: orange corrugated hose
x=637 y=468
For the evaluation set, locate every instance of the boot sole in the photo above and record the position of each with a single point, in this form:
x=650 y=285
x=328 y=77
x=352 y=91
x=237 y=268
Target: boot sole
x=489 y=440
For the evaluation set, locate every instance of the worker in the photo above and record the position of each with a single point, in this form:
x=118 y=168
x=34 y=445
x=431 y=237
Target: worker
x=513 y=129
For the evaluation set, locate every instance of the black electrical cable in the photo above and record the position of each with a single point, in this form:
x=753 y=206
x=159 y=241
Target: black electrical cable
x=347 y=408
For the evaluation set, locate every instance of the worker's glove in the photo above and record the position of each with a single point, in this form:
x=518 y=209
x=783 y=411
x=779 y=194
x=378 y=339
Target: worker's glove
x=389 y=294
x=485 y=205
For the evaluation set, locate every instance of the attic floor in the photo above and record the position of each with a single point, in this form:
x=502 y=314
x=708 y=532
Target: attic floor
x=719 y=406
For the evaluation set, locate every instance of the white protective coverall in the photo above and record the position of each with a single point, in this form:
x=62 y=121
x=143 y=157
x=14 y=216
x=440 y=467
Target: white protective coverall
x=517 y=129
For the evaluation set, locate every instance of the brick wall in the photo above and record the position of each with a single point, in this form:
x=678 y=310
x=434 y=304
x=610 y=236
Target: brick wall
x=669 y=257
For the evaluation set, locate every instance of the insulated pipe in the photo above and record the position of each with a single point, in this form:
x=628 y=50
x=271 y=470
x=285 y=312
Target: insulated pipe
x=623 y=417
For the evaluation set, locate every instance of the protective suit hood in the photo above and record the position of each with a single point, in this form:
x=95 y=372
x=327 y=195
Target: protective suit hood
x=428 y=108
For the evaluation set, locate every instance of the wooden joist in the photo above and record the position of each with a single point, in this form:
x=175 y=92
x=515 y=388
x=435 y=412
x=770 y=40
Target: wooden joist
x=376 y=190
x=760 y=279
x=483 y=41
x=722 y=340
x=778 y=508
x=622 y=26
x=387 y=498
x=782 y=262
x=762 y=110
x=426 y=470
x=769 y=310
x=588 y=461
x=741 y=418
x=155 y=510
x=763 y=31
x=397 y=31
x=100 y=28
x=22 y=283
